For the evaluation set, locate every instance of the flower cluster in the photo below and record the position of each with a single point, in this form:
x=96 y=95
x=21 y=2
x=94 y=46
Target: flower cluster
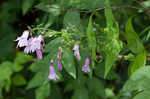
x=33 y=44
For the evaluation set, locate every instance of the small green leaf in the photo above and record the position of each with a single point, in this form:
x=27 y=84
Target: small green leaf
x=19 y=80
x=27 y=4
x=43 y=91
x=68 y=62
x=91 y=38
x=134 y=42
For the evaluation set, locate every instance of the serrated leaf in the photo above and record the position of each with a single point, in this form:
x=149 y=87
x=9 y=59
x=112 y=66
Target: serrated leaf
x=68 y=62
x=134 y=42
x=138 y=83
x=71 y=18
x=27 y=4
x=19 y=80
x=91 y=37
x=137 y=62
x=43 y=91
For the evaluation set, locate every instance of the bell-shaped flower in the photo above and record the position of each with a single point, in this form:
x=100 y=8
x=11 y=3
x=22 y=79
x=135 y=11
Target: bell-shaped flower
x=39 y=54
x=22 y=40
x=76 y=51
x=34 y=44
x=52 y=75
x=86 y=67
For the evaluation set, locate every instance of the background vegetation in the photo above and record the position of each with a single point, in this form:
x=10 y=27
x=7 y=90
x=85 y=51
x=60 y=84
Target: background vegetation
x=114 y=32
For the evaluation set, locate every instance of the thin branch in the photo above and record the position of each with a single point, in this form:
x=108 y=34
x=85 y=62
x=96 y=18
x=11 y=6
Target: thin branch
x=99 y=9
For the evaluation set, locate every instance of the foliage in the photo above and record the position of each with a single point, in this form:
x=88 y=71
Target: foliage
x=110 y=36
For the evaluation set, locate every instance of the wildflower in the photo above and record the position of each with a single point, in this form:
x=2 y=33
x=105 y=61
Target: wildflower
x=86 y=67
x=52 y=75
x=76 y=51
x=22 y=40
x=39 y=54
x=34 y=44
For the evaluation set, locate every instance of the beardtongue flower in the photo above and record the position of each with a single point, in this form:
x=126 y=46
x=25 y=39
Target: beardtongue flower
x=52 y=75
x=59 y=59
x=22 y=40
x=39 y=54
x=86 y=67
x=76 y=51
x=34 y=44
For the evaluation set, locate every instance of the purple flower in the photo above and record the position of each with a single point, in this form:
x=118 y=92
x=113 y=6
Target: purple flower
x=39 y=54
x=59 y=59
x=22 y=40
x=86 y=67
x=76 y=51
x=34 y=44
x=52 y=75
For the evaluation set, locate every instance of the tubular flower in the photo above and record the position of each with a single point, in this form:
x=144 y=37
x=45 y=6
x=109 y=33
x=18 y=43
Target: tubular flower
x=39 y=54
x=22 y=40
x=76 y=51
x=86 y=67
x=52 y=75
x=34 y=44
x=59 y=59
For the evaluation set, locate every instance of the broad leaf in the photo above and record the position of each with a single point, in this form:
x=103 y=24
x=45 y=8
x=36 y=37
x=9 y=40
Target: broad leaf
x=43 y=91
x=68 y=62
x=138 y=84
x=71 y=18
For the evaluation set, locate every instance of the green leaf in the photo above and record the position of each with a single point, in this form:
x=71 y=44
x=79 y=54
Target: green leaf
x=100 y=71
x=39 y=79
x=112 y=44
x=22 y=58
x=27 y=4
x=91 y=38
x=43 y=91
x=109 y=15
x=5 y=74
x=96 y=86
x=68 y=62
x=138 y=83
x=137 y=62
x=52 y=9
x=80 y=93
x=19 y=80
x=134 y=42
x=71 y=18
